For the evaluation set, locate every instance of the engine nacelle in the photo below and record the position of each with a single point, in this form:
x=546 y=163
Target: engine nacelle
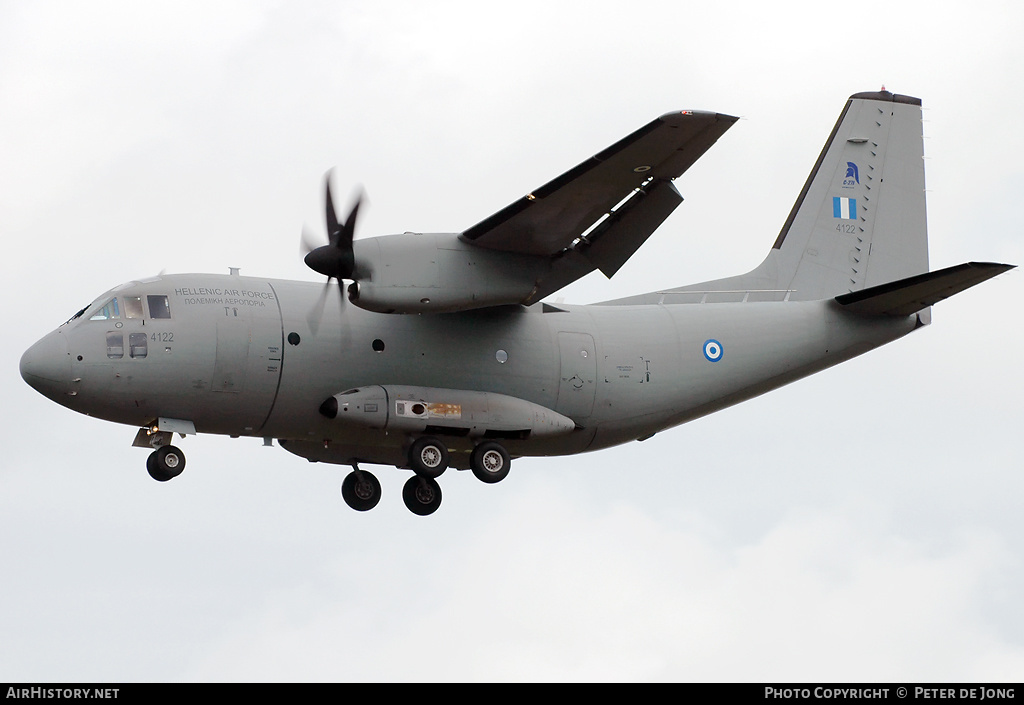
x=439 y=273
x=421 y=299
x=417 y=410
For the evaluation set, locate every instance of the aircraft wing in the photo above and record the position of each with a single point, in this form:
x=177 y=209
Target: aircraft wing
x=551 y=218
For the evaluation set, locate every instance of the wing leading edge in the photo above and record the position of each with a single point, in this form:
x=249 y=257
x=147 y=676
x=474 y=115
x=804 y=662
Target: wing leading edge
x=632 y=174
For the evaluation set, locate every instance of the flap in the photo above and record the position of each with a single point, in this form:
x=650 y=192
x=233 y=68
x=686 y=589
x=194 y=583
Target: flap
x=551 y=218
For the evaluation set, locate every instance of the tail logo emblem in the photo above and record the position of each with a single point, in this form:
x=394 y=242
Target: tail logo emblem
x=712 y=350
x=852 y=177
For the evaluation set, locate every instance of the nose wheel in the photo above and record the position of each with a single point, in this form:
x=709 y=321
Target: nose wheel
x=165 y=463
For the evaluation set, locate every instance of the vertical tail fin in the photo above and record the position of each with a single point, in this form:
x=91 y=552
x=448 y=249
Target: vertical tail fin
x=860 y=219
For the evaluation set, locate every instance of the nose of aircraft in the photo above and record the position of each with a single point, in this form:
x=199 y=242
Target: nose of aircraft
x=46 y=366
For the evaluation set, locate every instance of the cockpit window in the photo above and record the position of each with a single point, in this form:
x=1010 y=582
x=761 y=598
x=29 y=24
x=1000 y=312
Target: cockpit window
x=108 y=311
x=133 y=307
x=158 y=306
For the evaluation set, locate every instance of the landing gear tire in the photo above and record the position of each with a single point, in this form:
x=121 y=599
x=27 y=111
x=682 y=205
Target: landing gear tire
x=361 y=490
x=428 y=457
x=422 y=495
x=165 y=463
x=490 y=462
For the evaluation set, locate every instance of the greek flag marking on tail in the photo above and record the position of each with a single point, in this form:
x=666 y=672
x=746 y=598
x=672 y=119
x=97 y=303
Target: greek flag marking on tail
x=845 y=208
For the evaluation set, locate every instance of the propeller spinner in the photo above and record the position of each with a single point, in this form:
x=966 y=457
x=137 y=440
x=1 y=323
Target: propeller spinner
x=336 y=259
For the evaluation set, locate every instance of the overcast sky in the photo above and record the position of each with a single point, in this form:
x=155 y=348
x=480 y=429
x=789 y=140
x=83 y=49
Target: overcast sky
x=863 y=524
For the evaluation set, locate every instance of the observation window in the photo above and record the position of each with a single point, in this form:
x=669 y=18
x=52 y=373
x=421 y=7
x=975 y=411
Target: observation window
x=115 y=345
x=137 y=346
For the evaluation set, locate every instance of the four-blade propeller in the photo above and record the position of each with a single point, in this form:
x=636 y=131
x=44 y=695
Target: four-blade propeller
x=336 y=259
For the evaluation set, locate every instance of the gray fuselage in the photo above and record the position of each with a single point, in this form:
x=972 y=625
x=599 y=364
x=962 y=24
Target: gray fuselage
x=237 y=356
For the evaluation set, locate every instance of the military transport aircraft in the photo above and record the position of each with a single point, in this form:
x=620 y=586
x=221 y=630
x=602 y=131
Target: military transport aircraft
x=439 y=351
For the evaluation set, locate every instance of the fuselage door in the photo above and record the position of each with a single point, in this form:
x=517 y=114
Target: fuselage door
x=247 y=368
x=576 y=387
x=232 y=361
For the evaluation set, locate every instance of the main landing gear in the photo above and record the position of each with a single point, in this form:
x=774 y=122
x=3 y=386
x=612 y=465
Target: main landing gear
x=428 y=457
x=361 y=490
x=165 y=463
x=490 y=462
x=422 y=495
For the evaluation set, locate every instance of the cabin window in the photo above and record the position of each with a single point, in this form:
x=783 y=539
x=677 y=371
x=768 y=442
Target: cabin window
x=133 y=307
x=108 y=311
x=137 y=347
x=115 y=345
x=158 y=306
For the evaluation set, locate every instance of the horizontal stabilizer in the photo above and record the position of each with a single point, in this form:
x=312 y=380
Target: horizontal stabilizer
x=907 y=296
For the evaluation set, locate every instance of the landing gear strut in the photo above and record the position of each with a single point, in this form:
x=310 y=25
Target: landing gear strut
x=165 y=463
